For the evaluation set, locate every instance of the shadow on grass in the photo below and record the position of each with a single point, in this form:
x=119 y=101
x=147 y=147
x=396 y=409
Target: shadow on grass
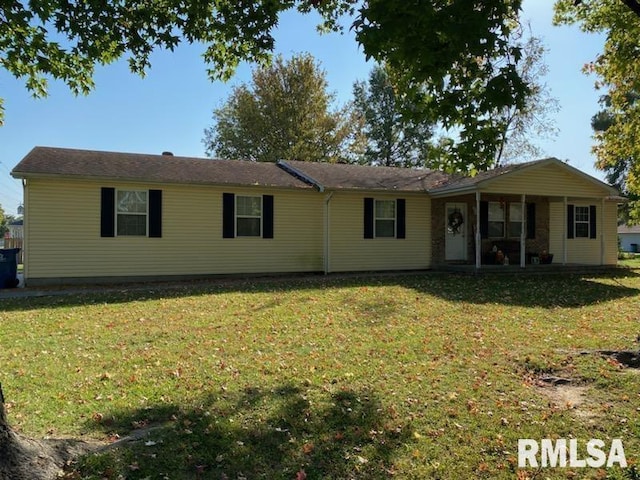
x=532 y=290
x=542 y=291
x=257 y=433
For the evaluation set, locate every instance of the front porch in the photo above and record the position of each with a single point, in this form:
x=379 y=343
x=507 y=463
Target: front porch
x=486 y=230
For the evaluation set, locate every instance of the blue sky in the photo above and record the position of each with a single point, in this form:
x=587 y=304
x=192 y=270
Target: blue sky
x=171 y=107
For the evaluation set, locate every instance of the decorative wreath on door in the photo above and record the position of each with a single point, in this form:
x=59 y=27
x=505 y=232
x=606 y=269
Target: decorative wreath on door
x=455 y=221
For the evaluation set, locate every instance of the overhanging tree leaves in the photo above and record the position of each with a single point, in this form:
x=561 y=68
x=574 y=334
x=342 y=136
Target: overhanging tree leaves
x=391 y=138
x=284 y=114
x=65 y=40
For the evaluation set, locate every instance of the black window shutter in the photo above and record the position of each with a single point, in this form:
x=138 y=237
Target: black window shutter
x=484 y=219
x=570 y=226
x=155 y=213
x=108 y=212
x=401 y=209
x=228 y=215
x=531 y=220
x=267 y=216
x=592 y=222
x=368 y=218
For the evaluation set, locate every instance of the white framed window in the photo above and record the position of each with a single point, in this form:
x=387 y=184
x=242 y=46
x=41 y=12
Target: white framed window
x=582 y=221
x=496 y=220
x=385 y=218
x=132 y=212
x=515 y=220
x=248 y=216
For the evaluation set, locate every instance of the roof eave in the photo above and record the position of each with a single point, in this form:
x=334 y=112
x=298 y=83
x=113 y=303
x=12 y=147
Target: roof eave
x=50 y=176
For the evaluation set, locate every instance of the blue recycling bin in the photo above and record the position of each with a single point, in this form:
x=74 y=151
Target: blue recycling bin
x=9 y=267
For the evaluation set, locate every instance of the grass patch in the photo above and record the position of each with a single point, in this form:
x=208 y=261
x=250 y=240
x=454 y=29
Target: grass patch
x=425 y=376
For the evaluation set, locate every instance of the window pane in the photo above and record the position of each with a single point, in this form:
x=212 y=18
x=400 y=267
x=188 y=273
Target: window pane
x=582 y=214
x=385 y=228
x=515 y=212
x=515 y=229
x=135 y=225
x=496 y=212
x=386 y=209
x=496 y=229
x=249 y=206
x=248 y=227
x=132 y=202
x=582 y=230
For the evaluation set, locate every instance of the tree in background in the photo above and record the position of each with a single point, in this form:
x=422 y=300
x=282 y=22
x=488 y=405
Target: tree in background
x=390 y=139
x=521 y=126
x=617 y=136
x=455 y=62
x=283 y=114
x=3 y=223
x=616 y=172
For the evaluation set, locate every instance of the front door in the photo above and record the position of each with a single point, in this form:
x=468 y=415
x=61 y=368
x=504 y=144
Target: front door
x=455 y=228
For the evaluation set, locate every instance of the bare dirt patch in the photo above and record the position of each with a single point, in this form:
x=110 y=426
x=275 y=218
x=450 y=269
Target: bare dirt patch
x=570 y=397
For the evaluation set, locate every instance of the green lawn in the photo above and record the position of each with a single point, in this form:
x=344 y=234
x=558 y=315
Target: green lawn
x=418 y=376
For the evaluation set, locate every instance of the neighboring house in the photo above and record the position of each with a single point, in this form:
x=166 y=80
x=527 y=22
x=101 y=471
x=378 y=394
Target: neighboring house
x=16 y=229
x=102 y=216
x=629 y=238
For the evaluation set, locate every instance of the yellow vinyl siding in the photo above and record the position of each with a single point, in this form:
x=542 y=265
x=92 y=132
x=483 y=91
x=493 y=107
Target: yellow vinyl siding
x=556 y=230
x=350 y=251
x=610 y=229
x=584 y=251
x=64 y=234
x=551 y=180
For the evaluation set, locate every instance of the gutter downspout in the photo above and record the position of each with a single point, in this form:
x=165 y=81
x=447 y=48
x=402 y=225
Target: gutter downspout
x=327 y=225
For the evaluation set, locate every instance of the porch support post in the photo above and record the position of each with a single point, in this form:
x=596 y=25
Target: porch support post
x=564 y=229
x=602 y=224
x=523 y=232
x=477 y=236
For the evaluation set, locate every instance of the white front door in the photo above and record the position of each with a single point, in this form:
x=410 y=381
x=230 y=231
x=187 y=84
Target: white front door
x=455 y=231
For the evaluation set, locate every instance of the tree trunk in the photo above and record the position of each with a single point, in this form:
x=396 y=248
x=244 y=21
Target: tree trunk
x=22 y=458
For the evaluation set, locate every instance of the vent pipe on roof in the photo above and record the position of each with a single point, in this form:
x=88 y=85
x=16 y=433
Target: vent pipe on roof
x=167 y=153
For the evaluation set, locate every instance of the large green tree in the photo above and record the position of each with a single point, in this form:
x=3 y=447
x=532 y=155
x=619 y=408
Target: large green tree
x=391 y=138
x=617 y=69
x=285 y=113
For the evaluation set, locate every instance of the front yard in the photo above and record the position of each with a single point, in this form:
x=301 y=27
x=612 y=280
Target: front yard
x=418 y=376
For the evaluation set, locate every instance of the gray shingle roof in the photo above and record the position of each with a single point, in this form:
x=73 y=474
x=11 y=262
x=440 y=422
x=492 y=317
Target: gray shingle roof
x=65 y=162
x=152 y=168
x=360 y=177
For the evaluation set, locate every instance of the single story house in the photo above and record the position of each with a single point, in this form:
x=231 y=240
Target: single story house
x=629 y=236
x=94 y=216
